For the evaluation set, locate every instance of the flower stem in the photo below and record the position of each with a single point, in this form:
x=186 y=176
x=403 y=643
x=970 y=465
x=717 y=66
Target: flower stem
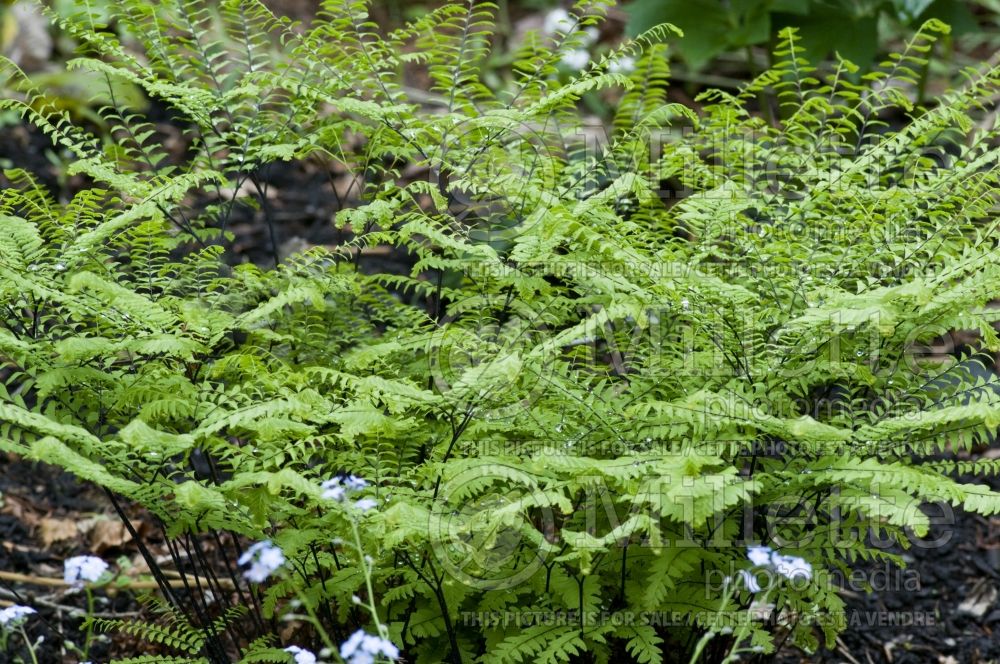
x=383 y=631
x=27 y=642
x=88 y=635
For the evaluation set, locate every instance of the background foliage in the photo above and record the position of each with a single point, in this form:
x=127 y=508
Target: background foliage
x=850 y=28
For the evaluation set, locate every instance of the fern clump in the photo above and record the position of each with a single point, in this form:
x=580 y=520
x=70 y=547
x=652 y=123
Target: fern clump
x=610 y=367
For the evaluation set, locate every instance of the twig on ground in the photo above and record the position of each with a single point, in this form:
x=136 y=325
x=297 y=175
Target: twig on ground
x=136 y=584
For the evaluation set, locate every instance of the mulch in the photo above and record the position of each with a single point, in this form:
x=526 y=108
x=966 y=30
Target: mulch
x=941 y=608
x=46 y=516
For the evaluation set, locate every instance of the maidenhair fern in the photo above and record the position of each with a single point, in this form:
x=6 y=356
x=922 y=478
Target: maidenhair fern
x=609 y=366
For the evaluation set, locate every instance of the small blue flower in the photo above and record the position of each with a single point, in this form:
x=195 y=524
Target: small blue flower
x=792 y=567
x=301 y=655
x=363 y=648
x=80 y=569
x=332 y=490
x=759 y=555
x=264 y=558
x=355 y=483
x=13 y=616
x=558 y=21
x=338 y=488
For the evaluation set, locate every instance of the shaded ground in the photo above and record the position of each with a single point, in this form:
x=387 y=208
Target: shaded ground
x=942 y=608
x=47 y=516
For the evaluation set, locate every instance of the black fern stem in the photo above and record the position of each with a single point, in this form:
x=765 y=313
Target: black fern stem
x=355 y=616
x=203 y=582
x=213 y=649
x=231 y=569
x=268 y=218
x=437 y=295
x=435 y=584
x=147 y=556
x=624 y=571
x=253 y=604
x=456 y=654
x=456 y=434
x=331 y=620
x=213 y=582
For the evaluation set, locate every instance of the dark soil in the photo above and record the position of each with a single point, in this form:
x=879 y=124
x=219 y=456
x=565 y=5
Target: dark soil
x=47 y=516
x=36 y=499
x=24 y=147
x=941 y=608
